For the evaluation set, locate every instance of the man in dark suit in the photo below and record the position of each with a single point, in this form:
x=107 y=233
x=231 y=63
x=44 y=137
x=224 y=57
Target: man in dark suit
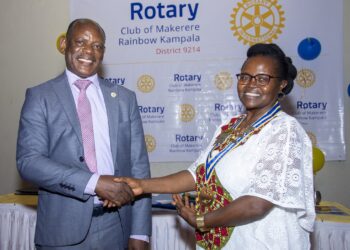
x=73 y=156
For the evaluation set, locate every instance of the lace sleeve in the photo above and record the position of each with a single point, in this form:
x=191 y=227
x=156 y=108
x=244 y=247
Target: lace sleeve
x=283 y=173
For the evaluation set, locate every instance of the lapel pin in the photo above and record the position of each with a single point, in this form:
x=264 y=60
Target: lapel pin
x=113 y=94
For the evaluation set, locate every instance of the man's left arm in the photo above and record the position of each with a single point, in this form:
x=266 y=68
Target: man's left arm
x=141 y=209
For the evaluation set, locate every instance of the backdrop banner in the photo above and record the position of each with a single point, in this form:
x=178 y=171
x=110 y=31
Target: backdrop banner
x=181 y=58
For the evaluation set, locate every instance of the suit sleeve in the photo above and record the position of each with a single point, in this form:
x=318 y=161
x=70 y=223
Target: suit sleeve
x=44 y=156
x=141 y=209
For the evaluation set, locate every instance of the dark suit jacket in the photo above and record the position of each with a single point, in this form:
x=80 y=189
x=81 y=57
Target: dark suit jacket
x=50 y=145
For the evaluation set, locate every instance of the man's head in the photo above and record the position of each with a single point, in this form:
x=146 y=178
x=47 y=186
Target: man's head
x=84 y=47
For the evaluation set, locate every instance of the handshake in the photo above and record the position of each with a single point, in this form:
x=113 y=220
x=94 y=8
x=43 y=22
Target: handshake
x=116 y=192
x=119 y=191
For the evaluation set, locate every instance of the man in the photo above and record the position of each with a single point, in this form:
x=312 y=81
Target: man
x=77 y=131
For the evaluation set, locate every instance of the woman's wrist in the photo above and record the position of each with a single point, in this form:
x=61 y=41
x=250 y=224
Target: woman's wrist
x=200 y=223
x=143 y=186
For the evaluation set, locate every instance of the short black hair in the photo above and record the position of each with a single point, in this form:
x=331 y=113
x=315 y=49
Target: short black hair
x=286 y=70
x=83 y=21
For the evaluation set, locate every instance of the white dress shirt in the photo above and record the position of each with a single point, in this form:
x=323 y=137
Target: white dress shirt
x=101 y=129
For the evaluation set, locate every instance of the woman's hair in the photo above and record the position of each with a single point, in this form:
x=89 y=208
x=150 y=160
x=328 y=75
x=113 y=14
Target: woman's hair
x=285 y=67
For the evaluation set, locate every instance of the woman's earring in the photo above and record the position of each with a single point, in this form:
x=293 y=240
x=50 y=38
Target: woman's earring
x=281 y=95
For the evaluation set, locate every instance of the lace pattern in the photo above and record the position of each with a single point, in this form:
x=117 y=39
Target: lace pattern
x=283 y=174
x=276 y=165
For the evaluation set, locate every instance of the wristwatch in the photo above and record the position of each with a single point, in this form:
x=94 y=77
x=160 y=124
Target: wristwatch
x=200 y=223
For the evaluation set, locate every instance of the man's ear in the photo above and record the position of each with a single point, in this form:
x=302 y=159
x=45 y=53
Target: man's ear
x=62 y=43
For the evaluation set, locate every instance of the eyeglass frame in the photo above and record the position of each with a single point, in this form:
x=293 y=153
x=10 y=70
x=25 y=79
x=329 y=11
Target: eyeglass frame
x=255 y=79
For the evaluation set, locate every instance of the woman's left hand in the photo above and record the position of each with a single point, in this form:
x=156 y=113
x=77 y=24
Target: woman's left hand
x=185 y=209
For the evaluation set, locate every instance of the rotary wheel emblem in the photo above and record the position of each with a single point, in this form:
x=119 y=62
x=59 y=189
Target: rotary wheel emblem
x=150 y=143
x=58 y=42
x=223 y=80
x=305 y=78
x=145 y=83
x=187 y=112
x=257 y=21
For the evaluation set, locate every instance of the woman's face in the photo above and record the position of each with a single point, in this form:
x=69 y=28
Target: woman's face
x=260 y=97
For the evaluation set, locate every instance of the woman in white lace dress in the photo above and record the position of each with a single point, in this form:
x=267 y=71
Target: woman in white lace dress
x=254 y=181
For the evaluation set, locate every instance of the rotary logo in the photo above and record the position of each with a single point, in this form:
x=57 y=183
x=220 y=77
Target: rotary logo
x=257 y=21
x=187 y=112
x=150 y=143
x=305 y=78
x=223 y=80
x=58 y=42
x=145 y=83
x=312 y=137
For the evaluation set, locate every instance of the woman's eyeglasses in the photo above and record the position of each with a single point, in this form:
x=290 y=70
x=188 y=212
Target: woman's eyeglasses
x=260 y=79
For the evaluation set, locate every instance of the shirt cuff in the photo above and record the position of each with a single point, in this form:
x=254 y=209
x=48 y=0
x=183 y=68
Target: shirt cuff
x=140 y=237
x=91 y=185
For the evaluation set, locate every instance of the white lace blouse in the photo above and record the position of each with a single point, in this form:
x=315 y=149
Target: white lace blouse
x=276 y=165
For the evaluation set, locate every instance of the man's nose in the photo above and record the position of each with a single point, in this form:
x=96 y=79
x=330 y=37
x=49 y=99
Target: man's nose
x=87 y=48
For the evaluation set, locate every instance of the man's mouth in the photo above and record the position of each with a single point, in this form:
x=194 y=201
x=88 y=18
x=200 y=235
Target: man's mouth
x=84 y=60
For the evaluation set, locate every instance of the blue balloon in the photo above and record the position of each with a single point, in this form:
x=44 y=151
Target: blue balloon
x=309 y=48
x=349 y=89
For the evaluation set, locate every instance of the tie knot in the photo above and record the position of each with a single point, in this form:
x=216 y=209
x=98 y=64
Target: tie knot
x=82 y=84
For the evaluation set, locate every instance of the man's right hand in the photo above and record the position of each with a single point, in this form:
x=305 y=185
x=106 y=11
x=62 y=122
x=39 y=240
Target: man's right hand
x=118 y=193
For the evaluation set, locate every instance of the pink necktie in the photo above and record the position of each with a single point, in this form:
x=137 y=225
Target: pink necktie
x=87 y=131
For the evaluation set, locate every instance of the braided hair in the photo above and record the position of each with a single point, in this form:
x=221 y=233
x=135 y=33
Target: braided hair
x=285 y=68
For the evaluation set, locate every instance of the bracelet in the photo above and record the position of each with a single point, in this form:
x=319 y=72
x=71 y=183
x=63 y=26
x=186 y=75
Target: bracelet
x=200 y=223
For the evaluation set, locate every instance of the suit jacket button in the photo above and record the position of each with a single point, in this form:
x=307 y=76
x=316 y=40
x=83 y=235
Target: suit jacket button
x=81 y=159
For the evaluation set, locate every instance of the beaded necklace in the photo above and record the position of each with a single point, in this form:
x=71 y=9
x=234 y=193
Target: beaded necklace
x=232 y=137
x=230 y=133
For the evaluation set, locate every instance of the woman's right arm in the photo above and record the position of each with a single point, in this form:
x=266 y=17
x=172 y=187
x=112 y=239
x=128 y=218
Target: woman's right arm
x=179 y=182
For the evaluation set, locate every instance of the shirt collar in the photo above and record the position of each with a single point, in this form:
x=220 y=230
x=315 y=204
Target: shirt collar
x=73 y=77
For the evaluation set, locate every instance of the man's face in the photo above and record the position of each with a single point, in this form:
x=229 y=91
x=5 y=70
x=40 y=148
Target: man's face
x=84 y=49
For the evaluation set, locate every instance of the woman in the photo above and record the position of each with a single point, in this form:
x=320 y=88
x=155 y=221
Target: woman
x=254 y=181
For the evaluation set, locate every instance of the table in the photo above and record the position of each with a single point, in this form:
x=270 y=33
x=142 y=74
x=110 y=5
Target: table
x=18 y=220
x=332 y=227
x=331 y=236
x=17 y=227
x=169 y=231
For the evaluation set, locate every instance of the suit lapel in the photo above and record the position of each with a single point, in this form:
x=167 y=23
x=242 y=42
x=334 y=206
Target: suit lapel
x=65 y=96
x=110 y=95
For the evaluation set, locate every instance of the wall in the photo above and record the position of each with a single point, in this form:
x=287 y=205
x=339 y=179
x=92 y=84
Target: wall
x=28 y=56
x=334 y=179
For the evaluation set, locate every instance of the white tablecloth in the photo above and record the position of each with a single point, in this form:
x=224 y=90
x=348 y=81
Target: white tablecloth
x=170 y=232
x=331 y=236
x=17 y=227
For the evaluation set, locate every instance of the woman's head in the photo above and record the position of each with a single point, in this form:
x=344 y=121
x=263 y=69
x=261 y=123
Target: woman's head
x=265 y=75
x=284 y=66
